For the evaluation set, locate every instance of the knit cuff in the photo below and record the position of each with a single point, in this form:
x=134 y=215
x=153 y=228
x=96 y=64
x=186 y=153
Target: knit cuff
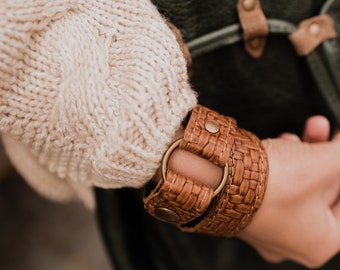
x=41 y=180
x=97 y=90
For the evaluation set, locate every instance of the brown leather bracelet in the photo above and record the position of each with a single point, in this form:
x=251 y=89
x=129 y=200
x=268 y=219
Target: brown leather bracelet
x=194 y=207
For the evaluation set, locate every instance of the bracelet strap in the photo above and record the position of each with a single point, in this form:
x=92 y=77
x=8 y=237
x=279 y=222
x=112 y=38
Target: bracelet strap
x=194 y=207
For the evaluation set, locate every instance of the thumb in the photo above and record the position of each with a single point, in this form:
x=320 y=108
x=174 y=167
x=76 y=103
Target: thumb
x=317 y=129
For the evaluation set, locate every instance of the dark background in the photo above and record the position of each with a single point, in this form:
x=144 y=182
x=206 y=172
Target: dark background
x=36 y=234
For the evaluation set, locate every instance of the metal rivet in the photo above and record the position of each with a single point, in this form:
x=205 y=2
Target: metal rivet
x=167 y=215
x=314 y=29
x=212 y=126
x=249 y=5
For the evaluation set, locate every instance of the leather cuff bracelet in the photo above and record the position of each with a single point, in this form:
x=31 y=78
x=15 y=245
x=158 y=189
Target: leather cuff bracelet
x=194 y=207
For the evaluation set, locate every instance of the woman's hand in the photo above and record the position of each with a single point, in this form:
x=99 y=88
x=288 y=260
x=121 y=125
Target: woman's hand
x=299 y=219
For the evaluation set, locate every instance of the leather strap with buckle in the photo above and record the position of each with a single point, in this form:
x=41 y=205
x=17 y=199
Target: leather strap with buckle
x=194 y=207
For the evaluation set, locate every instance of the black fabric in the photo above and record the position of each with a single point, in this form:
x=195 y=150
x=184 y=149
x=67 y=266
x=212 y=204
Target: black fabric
x=136 y=241
x=267 y=96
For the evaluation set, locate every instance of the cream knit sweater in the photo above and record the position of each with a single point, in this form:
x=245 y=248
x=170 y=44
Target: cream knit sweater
x=92 y=92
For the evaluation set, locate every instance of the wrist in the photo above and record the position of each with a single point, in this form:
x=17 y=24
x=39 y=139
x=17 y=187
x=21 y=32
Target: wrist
x=193 y=166
x=196 y=168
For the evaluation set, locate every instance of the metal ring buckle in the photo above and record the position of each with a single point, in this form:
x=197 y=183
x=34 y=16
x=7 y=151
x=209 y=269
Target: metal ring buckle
x=167 y=155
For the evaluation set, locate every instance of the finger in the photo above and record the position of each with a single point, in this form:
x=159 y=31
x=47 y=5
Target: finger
x=269 y=255
x=331 y=193
x=336 y=135
x=290 y=137
x=317 y=129
x=330 y=245
x=335 y=207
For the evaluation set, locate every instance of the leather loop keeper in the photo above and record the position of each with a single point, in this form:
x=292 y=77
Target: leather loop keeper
x=311 y=33
x=184 y=199
x=254 y=25
x=191 y=205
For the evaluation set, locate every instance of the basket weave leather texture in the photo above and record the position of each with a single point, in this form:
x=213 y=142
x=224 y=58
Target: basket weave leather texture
x=188 y=199
x=233 y=208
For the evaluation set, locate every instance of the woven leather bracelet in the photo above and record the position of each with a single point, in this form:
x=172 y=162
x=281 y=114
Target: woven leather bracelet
x=194 y=207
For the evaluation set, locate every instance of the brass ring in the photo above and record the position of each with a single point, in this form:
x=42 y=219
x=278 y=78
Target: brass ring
x=168 y=153
x=223 y=181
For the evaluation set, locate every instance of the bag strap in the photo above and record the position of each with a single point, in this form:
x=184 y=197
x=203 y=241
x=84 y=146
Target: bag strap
x=324 y=65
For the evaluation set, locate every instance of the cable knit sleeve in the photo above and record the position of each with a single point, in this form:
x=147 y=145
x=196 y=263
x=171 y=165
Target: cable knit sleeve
x=91 y=92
